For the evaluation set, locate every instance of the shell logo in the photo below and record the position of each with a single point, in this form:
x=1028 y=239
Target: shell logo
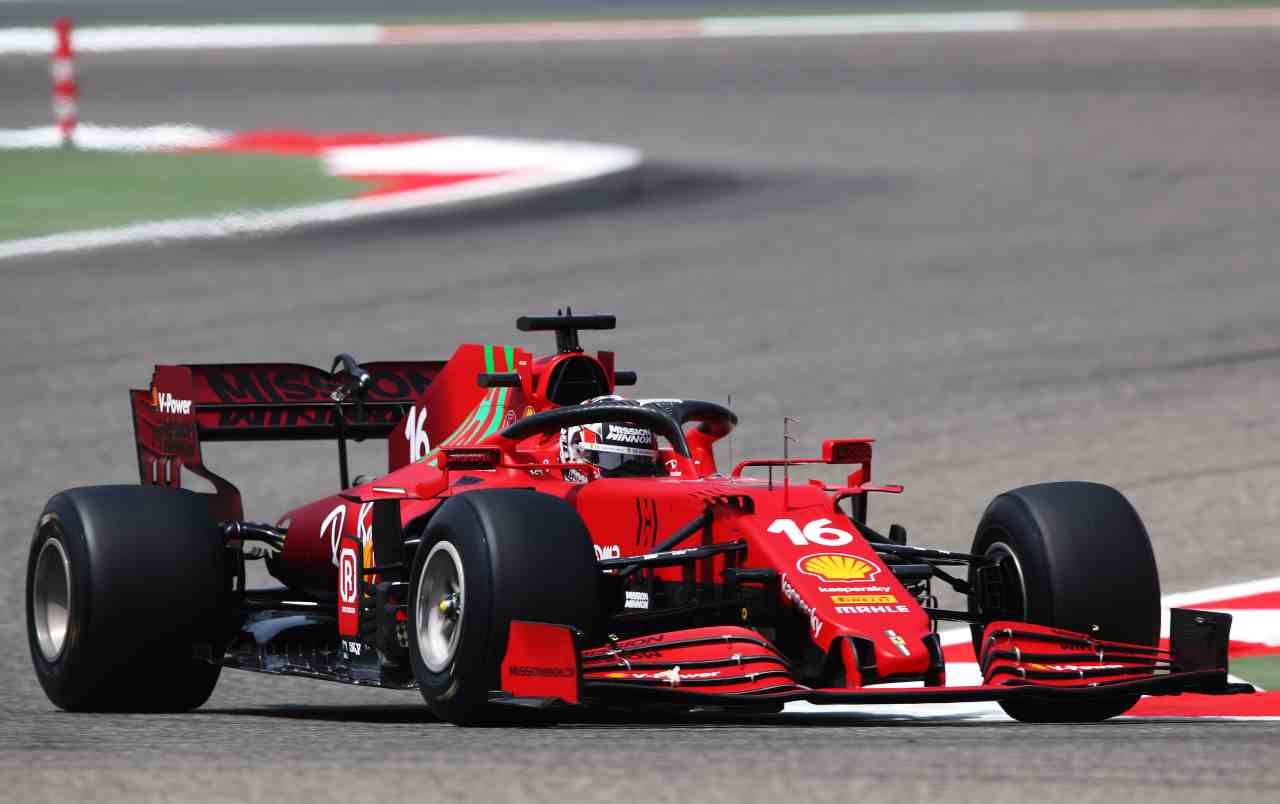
x=837 y=567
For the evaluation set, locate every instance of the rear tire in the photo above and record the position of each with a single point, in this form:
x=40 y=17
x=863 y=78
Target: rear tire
x=1074 y=556
x=123 y=583
x=485 y=559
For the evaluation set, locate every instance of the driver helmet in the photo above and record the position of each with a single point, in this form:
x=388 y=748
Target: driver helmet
x=619 y=449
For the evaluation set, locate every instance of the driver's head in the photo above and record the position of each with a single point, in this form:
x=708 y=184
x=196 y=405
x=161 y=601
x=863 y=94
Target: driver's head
x=619 y=449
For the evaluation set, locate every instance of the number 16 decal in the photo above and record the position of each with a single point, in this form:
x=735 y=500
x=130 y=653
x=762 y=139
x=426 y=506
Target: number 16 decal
x=816 y=532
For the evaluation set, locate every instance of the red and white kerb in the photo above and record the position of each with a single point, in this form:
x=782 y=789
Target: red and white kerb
x=65 y=90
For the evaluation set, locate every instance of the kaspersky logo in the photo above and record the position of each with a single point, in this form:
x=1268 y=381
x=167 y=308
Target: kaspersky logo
x=837 y=567
x=166 y=402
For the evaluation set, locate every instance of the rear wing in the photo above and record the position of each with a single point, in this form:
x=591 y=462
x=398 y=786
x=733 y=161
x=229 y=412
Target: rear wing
x=187 y=405
x=279 y=401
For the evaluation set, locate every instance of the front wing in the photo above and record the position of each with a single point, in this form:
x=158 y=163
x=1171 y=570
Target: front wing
x=735 y=667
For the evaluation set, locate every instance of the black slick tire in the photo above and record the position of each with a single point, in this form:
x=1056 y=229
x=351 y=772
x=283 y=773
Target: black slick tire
x=517 y=554
x=1073 y=555
x=124 y=585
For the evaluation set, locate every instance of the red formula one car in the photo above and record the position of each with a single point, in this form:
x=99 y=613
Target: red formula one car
x=539 y=544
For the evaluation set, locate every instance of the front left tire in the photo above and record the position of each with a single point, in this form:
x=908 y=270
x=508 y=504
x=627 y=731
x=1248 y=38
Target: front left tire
x=487 y=558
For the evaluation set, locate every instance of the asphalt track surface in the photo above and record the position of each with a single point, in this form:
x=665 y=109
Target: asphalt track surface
x=1014 y=258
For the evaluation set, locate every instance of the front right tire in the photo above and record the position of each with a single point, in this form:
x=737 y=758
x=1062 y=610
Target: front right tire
x=1074 y=556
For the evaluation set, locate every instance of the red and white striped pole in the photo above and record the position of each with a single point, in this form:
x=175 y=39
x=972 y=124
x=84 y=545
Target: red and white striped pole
x=65 y=90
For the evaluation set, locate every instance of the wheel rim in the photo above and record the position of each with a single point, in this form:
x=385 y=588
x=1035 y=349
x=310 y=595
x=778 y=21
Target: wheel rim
x=51 y=599
x=440 y=606
x=1009 y=565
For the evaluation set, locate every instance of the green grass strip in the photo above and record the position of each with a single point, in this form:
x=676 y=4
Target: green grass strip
x=46 y=191
x=1261 y=670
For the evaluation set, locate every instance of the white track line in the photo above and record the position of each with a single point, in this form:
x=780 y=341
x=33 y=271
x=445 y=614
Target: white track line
x=39 y=41
x=1245 y=629
x=863 y=24
x=90 y=137
x=1228 y=592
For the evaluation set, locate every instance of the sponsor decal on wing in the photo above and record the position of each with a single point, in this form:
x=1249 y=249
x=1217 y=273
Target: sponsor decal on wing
x=1074 y=668
x=856 y=600
x=166 y=402
x=646 y=647
x=540 y=672
x=790 y=593
x=672 y=676
x=838 y=567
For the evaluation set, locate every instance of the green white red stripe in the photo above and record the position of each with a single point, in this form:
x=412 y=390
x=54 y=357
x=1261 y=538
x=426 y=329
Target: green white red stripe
x=487 y=416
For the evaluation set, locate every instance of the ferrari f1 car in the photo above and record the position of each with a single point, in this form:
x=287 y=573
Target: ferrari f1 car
x=499 y=572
